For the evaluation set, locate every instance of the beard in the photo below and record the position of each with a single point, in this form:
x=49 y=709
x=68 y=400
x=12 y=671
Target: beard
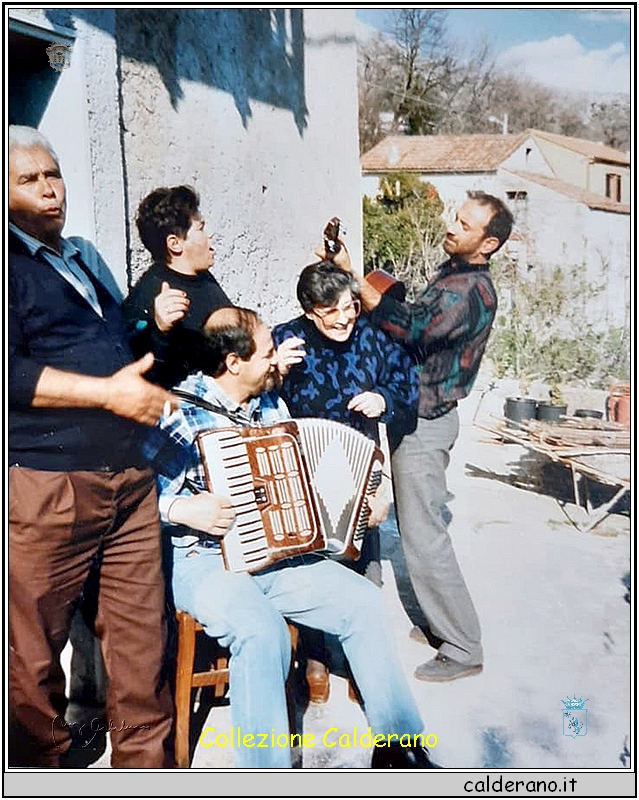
x=449 y=246
x=272 y=381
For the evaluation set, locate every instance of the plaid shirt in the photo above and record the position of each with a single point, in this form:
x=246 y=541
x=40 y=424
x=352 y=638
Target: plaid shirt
x=172 y=450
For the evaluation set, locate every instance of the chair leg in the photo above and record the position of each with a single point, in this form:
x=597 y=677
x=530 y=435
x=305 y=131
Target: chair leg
x=183 y=681
x=294 y=689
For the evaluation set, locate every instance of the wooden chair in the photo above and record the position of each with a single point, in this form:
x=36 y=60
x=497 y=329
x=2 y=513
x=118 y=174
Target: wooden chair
x=186 y=680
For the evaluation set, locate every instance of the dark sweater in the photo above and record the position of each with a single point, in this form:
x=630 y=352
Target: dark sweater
x=50 y=324
x=446 y=329
x=171 y=350
x=334 y=372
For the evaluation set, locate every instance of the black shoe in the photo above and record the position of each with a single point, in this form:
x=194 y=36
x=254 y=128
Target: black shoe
x=394 y=756
x=87 y=746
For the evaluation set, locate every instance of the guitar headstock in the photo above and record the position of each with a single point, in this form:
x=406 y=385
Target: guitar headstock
x=331 y=236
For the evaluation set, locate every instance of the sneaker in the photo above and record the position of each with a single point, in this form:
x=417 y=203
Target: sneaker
x=417 y=635
x=442 y=668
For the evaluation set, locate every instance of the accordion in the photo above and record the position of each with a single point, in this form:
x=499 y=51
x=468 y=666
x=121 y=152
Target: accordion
x=296 y=487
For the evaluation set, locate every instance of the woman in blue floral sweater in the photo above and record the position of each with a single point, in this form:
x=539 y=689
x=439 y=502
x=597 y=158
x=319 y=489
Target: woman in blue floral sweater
x=348 y=370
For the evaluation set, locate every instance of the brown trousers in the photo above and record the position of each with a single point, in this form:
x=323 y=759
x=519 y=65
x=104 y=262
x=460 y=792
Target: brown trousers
x=58 y=523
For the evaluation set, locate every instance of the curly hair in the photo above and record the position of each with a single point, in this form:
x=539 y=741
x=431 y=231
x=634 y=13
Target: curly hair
x=163 y=212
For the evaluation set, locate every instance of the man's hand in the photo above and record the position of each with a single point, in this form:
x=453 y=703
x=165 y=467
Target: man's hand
x=341 y=259
x=379 y=505
x=370 y=404
x=206 y=512
x=291 y=351
x=170 y=306
x=369 y=295
x=127 y=394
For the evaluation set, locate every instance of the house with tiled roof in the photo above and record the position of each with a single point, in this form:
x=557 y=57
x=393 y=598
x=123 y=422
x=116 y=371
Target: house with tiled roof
x=570 y=198
x=454 y=164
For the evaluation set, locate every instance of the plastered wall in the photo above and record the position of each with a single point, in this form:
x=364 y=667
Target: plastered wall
x=257 y=109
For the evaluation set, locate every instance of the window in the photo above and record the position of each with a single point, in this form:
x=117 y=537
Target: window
x=613 y=186
x=518 y=204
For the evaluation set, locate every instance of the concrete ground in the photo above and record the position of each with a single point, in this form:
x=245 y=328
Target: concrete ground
x=555 y=616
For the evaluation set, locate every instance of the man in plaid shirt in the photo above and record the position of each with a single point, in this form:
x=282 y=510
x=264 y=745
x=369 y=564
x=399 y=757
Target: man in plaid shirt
x=446 y=329
x=247 y=612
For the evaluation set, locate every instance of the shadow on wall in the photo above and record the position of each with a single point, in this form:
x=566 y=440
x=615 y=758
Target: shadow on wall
x=253 y=54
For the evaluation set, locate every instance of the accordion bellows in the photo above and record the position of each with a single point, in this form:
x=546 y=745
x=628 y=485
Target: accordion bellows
x=296 y=487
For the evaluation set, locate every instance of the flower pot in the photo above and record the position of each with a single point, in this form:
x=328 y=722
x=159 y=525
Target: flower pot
x=517 y=409
x=548 y=412
x=592 y=413
x=618 y=405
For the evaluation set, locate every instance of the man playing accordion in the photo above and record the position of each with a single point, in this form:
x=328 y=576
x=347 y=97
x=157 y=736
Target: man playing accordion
x=235 y=373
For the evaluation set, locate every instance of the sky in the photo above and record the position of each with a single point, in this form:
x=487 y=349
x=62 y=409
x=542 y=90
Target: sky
x=585 y=48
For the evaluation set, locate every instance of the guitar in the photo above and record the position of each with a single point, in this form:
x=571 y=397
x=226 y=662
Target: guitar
x=379 y=279
x=385 y=283
x=332 y=243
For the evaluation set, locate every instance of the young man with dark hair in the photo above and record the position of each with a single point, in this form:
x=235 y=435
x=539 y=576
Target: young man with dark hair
x=245 y=611
x=446 y=329
x=177 y=293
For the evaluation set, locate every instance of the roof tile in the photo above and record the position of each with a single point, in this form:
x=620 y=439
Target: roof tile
x=479 y=152
x=595 y=150
x=472 y=153
x=590 y=199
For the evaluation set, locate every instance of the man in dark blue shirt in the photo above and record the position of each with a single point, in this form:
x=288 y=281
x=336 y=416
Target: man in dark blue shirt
x=79 y=488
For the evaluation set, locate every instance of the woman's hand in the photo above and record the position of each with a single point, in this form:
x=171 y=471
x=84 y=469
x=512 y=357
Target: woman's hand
x=291 y=351
x=370 y=404
x=169 y=307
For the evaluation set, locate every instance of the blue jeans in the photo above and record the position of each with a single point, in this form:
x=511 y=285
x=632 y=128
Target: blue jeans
x=246 y=613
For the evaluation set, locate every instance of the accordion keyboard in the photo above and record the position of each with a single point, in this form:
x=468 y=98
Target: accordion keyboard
x=265 y=484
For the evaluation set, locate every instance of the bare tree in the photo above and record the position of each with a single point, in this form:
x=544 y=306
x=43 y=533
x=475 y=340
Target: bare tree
x=609 y=121
x=376 y=95
x=417 y=82
x=424 y=60
x=466 y=97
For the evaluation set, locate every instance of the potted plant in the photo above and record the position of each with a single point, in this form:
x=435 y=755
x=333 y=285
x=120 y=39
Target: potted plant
x=553 y=409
